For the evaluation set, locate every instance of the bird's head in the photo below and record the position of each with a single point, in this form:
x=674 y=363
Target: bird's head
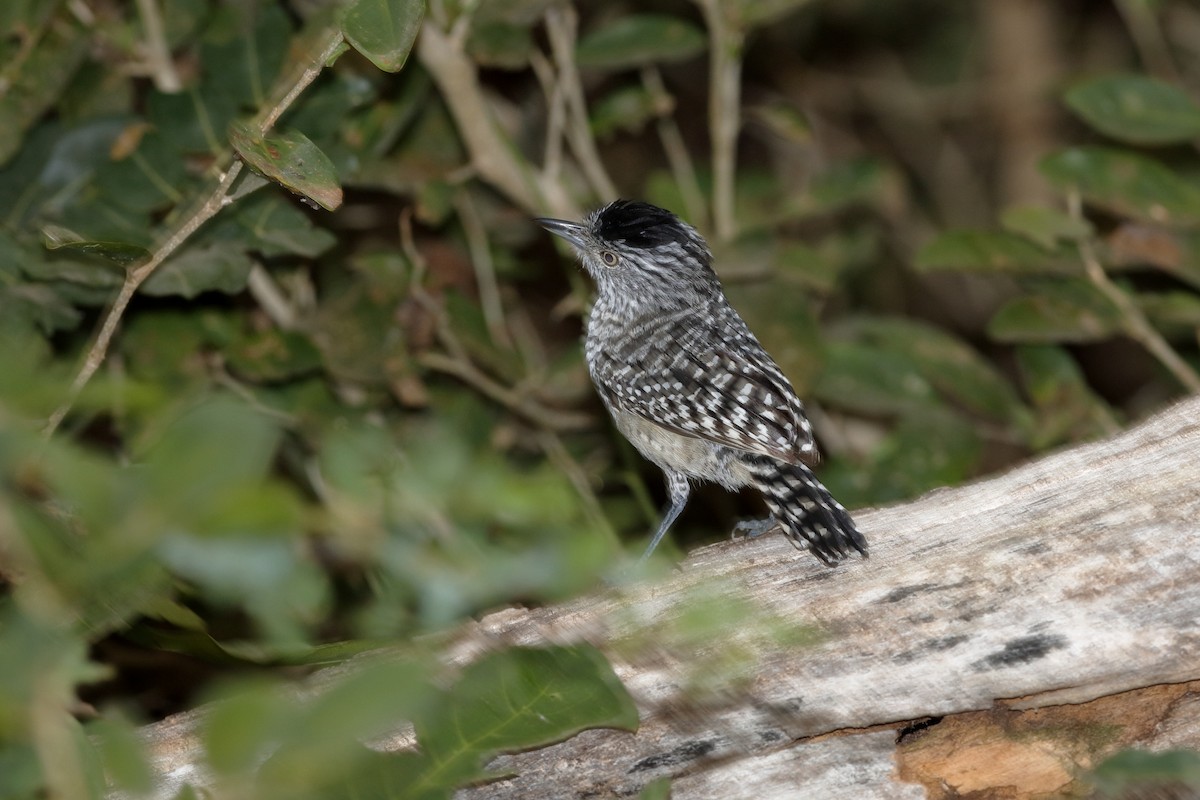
x=640 y=251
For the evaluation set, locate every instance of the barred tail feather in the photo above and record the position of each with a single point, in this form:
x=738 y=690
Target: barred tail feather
x=811 y=519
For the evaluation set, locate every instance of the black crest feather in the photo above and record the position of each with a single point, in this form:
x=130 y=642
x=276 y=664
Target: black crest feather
x=639 y=225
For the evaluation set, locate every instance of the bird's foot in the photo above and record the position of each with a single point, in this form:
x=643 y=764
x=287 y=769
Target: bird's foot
x=751 y=528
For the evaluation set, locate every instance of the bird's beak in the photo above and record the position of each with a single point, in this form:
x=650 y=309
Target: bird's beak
x=573 y=232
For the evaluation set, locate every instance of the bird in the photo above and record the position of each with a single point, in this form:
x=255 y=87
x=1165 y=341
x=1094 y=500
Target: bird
x=689 y=385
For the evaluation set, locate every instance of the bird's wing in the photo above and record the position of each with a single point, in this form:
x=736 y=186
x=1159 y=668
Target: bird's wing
x=707 y=378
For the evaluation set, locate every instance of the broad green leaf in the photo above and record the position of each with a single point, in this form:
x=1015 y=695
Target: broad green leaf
x=1134 y=245
x=1125 y=183
x=1137 y=109
x=1064 y=311
x=657 y=789
x=123 y=253
x=862 y=378
x=811 y=267
x=989 y=251
x=33 y=85
x=521 y=698
x=1137 y=773
x=383 y=30
x=634 y=40
x=1049 y=227
x=924 y=452
x=955 y=369
x=291 y=159
x=212 y=267
x=627 y=109
x=854 y=181
x=1067 y=410
x=279 y=228
x=245 y=724
x=1171 y=308
x=123 y=754
x=500 y=44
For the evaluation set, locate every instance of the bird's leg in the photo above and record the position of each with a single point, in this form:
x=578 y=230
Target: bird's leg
x=678 y=489
x=750 y=528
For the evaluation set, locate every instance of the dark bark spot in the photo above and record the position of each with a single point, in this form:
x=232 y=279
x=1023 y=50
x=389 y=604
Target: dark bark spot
x=1021 y=651
x=689 y=751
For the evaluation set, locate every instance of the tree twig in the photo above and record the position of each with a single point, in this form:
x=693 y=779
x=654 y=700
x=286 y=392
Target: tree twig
x=219 y=198
x=726 y=40
x=672 y=142
x=561 y=22
x=485 y=268
x=1134 y=321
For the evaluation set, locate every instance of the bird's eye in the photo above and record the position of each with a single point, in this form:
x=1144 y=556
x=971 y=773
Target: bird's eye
x=609 y=258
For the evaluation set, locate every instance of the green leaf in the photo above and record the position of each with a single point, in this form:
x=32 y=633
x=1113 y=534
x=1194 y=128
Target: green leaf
x=56 y=237
x=1067 y=408
x=1175 y=308
x=1132 y=773
x=500 y=44
x=1125 y=183
x=1064 y=311
x=638 y=39
x=517 y=699
x=277 y=227
x=1137 y=109
x=291 y=159
x=860 y=378
x=34 y=83
x=627 y=108
x=383 y=30
x=657 y=789
x=952 y=367
x=216 y=266
x=1049 y=227
x=989 y=251
x=123 y=754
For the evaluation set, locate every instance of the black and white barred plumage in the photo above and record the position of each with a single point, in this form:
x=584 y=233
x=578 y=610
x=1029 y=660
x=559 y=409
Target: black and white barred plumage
x=688 y=383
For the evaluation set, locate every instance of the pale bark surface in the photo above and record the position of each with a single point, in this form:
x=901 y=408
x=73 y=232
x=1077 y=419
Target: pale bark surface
x=1066 y=580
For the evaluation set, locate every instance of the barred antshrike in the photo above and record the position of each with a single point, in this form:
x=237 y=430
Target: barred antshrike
x=688 y=384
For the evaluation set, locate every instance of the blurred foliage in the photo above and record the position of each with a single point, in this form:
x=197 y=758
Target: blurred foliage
x=349 y=410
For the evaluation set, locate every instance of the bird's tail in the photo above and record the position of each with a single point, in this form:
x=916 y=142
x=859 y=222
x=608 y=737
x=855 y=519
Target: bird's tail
x=811 y=519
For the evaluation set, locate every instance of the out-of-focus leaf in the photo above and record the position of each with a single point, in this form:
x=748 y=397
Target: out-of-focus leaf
x=633 y=40
x=273 y=355
x=1171 y=308
x=627 y=109
x=1063 y=311
x=365 y=701
x=521 y=698
x=1175 y=251
x=383 y=30
x=989 y=251
x=1125 y=183
x=1138 y=773
x=291 y=159
x=809 y=266
x=123 y=754
x=245 y=723
x=279 y=228
x=956 y=370
x=858 y=378
x=56 y=237
x=1067 y=408
x=1136 y=109
x=657 y=789
x=34 y=87
x=1049 y=227
x=215 y=266
x=855 y=181
x=500 y=44
x=785 y=325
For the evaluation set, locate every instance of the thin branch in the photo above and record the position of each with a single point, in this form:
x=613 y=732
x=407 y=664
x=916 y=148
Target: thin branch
x=456 y=361
x=133 y=280
x=672 y=142
x=270 y=298
x=158 y=55
x=724 y=111
x=558 y=454
x=219 y=198
x=1135 y=322
x=556 y=114
x=561 y=23
x=485 y=268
